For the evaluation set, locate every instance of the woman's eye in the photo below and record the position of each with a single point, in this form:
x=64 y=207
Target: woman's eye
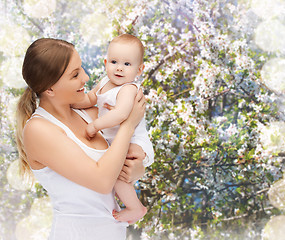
x=127 y=64
x=113 y=61
x=76 y=75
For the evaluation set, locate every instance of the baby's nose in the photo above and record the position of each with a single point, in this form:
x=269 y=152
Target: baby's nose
x=119 y=68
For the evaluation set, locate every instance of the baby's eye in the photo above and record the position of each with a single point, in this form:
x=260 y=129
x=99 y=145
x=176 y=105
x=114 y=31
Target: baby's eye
x=127 y=64
x=113 y=61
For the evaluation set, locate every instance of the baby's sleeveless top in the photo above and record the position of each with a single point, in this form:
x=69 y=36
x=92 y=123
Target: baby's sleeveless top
x=79 y=213
x=140 y=136
x=110 y=97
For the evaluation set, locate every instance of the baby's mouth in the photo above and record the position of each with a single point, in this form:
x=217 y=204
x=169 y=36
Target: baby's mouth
x=117 y=75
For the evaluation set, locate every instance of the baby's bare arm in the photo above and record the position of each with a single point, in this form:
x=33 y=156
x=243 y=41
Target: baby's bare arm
x=124 y=105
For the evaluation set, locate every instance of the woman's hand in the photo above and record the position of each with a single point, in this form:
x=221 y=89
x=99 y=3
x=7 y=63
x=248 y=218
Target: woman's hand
x=133 y=168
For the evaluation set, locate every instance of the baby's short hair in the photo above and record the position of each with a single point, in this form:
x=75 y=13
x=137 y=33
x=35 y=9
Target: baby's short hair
x=128 y=38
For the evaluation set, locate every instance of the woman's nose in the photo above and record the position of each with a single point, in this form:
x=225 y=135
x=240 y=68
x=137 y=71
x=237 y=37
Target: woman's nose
x=85 y=77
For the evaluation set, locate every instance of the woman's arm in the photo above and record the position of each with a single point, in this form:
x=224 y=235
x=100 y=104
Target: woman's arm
x=47 y=144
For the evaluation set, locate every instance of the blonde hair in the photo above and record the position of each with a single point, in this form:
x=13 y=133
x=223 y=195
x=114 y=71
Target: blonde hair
x=128 y=38
x=45 y=61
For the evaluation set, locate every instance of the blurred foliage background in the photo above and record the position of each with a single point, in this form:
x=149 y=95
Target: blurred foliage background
x=214 y=81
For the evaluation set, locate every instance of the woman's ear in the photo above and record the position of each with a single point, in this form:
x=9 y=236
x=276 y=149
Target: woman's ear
x=49 y=92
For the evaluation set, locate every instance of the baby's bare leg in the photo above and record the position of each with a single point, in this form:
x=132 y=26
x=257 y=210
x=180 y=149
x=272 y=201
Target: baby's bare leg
x=134 y=209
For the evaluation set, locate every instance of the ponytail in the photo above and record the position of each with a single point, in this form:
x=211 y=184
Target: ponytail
x=25 y=108
x=45 y=62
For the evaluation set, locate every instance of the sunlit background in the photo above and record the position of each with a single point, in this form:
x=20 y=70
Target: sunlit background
x=167 y=30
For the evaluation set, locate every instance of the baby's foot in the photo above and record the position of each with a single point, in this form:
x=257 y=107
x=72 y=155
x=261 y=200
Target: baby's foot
x=129 y=215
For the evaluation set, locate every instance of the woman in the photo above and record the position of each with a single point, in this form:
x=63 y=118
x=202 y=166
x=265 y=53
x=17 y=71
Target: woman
x=78 y=173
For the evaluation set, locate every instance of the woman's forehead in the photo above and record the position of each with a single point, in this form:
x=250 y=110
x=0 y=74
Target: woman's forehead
x=75 y=62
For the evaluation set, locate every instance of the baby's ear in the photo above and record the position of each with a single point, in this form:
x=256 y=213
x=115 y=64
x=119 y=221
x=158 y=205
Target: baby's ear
x=141 y=68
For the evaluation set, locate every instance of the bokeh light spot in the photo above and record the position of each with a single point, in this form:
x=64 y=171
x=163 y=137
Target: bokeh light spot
x=39 y=8
x=14 y=178
x=37 y=225
x=14 y=39
x=273 y=74
x=11 y=73
x=276 y=194
x=274 y=229
x=272 y=137
x=96 y=29
x=270 y=35
x=42 y=208
x=268 y=8
x=11 y=110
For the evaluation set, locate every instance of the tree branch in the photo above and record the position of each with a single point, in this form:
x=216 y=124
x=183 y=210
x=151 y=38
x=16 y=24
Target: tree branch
x=245 y=215
x=30 y=19
x=163 y=60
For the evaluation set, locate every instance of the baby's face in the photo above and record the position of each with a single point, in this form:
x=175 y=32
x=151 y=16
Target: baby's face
x=123 y=63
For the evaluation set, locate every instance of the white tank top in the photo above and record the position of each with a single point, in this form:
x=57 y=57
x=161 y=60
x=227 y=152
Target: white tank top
x=76 y=207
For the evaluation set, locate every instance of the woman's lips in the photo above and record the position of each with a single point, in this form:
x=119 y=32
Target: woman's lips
x=81 y=89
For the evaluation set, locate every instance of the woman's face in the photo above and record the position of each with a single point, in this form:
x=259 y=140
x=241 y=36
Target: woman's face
x=70 y=87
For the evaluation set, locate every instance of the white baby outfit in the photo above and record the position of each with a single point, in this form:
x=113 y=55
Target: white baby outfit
x=140 y=136
x=78 y=212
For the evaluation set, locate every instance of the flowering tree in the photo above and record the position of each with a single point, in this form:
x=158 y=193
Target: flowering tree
x=213 y=111
x=207 y=109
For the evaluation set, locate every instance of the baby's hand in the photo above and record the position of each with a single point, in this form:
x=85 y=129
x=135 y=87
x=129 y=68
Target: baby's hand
x=91 y=130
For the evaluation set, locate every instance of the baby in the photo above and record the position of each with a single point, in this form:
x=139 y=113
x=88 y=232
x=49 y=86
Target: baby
x=124 y=64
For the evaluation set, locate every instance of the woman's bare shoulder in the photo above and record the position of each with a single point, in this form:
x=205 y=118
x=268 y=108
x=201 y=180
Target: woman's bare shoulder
x=38 y=125
x=38 y=133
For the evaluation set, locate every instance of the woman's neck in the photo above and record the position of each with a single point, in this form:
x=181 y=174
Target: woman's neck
x=61 y=112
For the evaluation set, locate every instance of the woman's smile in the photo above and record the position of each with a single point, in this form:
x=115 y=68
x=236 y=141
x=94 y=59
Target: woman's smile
x=81 y=89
